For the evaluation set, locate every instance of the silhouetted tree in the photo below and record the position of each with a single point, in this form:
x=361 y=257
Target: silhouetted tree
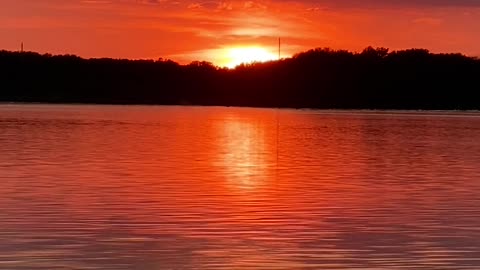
x=320 y=78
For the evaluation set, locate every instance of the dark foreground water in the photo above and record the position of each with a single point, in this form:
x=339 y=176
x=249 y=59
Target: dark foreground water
x=127 y=187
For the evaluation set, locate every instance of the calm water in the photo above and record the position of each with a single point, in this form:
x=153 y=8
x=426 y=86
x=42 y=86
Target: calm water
x=127 y=187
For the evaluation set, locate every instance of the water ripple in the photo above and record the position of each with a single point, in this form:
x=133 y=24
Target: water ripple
x=132 y=187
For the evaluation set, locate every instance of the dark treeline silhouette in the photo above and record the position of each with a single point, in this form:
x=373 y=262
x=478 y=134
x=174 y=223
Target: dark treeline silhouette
x=319 y=78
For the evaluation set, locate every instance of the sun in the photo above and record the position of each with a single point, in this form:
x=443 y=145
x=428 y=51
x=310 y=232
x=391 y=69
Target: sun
x=238 y=55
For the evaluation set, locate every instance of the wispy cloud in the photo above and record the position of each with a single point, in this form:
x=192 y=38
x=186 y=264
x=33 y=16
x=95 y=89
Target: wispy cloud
x=194 y=28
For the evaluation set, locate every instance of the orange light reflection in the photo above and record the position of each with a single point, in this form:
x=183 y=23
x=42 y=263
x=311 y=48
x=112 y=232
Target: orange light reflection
x=244 y=156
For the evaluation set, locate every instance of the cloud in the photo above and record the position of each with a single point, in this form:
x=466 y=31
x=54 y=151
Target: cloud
x=96 y=2
x=388 y=3
x=194 y=6
x=428 y=21
x=190 y=29
x=347 y=3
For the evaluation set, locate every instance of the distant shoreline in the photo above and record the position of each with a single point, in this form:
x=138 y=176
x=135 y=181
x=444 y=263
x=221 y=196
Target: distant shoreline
x=321 y=79
x=322 y=111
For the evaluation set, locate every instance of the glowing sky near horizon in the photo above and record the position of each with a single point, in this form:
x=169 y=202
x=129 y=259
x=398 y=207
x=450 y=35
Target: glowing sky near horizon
x=208 y=30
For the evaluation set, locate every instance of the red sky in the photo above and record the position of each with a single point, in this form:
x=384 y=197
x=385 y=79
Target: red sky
x=204 y=30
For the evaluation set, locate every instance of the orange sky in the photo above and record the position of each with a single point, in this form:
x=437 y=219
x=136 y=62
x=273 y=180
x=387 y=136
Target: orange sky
x=204 y=30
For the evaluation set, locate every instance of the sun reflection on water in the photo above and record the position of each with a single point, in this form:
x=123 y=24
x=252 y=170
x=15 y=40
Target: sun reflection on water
x=244 y=156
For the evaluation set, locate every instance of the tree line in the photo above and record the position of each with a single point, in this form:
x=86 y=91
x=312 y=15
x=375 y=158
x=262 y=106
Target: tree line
x=320 y=78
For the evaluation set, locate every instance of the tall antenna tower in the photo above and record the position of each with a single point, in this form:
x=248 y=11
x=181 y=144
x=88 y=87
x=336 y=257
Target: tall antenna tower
x=279 y=44
x=21 y=47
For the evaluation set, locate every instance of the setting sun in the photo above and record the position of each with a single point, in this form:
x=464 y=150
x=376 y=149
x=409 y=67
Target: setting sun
x=239 y=55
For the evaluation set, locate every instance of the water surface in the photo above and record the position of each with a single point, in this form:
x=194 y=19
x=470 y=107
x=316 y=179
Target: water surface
x=132 y=187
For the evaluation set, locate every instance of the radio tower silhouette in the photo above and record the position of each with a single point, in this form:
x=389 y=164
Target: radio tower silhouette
x=279 y=44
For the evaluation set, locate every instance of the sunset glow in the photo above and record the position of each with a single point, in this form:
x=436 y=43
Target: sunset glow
x=185 y=31
x=237 y=56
